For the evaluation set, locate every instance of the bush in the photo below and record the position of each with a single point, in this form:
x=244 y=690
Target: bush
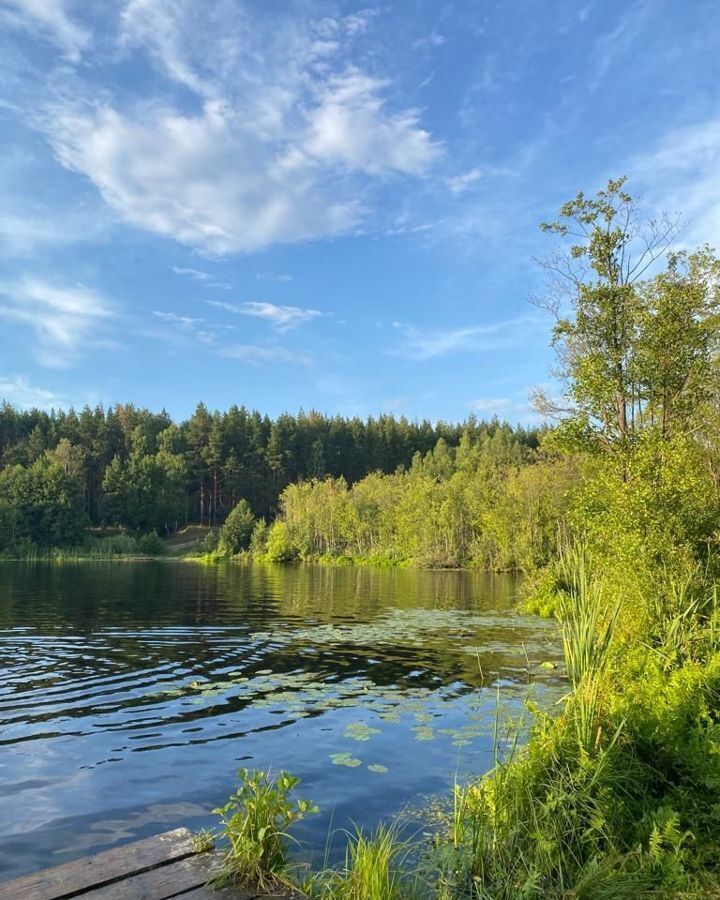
x=209 y=543
x=151 y=544
x=235 y=533
x=255 y=821
x=280 y=546
x=259 y=538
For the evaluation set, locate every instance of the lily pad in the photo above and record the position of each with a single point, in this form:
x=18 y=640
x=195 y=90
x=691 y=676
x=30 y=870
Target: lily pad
x=345 y=759
x=378 y=769
x=360 y=731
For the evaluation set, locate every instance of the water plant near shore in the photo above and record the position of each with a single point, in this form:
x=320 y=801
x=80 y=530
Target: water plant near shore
x=255 y=821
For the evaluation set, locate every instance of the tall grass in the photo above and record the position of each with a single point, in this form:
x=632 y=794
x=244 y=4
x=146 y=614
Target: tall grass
x=588 y=622
x=376 y=868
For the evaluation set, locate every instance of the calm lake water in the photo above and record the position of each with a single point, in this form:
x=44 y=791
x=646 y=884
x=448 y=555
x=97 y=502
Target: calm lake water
x=132 y=692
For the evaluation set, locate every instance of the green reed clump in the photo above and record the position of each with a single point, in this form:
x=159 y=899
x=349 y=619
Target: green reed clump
x=255 y=823
x=619 y=794
x=376 y=868
x=587 y=621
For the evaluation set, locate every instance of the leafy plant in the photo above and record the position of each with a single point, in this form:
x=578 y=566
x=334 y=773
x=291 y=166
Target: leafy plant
x=255 y=822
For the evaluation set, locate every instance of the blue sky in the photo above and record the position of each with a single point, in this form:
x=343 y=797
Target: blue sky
x=325 y=205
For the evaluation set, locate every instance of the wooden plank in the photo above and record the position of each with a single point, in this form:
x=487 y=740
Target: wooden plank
x=233 y=893
x=228 y=893
x=168 y=880
x=81 y=875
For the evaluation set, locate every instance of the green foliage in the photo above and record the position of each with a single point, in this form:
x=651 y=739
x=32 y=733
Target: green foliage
x=637 y=353
x=140 y=470
x=259 y=538
x=41 y=506
x=375 y=869
x=254 y=823
x=492 y=505
x=280 y=546
x=150 y=544
x=235 y=533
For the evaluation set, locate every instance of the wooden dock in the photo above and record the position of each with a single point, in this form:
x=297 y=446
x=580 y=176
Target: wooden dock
x=156 y=868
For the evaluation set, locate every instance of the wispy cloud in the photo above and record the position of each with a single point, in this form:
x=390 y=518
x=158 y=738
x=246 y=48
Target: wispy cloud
x=682 y=175
x=616 y=43
x=272 y=276
x=429 y=42
x=285 y=142
x=175 y=319
x=283 y=318
x=204 y=277
x=458 y=184
x=266 y=354
x=49 y=19
x=16 y=389
x=424 y=343
x=64 y=319
x=197 y=274
x=507 y=408
x=489 y=404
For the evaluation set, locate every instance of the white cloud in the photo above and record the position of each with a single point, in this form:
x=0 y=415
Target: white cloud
x=458 y=184
x=423 y=344
x=205 y=277
x=351 y=126
x=360 y=21
x=64 y=319
x=283 y=318
x=266 y=354
x=427 y=43
x=201 y=179
x=16 y=389
x=272 y=276
x=681 y=175
x=505 y=408
x=50 y=19
x=175 y=319
x=197 y=274
x=617 y=43
x=284 y=143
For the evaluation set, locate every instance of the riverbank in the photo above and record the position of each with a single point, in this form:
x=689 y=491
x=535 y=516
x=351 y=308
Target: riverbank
x=616 y=795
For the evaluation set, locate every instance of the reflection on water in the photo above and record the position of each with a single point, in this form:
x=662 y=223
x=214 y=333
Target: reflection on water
x=131 y=693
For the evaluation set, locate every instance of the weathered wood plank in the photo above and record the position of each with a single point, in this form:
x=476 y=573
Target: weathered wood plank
x=168 y=880
x=233 y=893
x=229 y=893
x=81 y=875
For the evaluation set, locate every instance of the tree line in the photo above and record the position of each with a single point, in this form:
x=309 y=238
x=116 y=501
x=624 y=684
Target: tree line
x=63 y=471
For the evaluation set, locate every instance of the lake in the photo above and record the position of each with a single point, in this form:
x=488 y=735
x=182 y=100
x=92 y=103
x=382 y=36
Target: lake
x=132 y=692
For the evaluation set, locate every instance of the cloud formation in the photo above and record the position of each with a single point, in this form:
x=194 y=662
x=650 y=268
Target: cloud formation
x=425 y=343
x=282 y=318
x=64 y=319
x=283 y=142
x=16 y=389
x=50 y=19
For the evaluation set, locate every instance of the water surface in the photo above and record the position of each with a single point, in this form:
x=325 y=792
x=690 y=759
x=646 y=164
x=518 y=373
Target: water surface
x=130 y=693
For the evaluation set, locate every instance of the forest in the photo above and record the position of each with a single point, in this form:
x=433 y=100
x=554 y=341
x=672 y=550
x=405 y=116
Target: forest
x=62 y=473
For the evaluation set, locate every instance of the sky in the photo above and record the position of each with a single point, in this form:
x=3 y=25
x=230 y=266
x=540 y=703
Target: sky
x=324 y=205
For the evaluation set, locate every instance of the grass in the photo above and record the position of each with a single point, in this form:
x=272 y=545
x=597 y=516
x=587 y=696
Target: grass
x=375 y=868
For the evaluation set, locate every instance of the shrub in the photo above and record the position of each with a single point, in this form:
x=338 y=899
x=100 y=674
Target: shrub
x=280 y=546
x=151 y=544
x=254 y=823
x=235 y=533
